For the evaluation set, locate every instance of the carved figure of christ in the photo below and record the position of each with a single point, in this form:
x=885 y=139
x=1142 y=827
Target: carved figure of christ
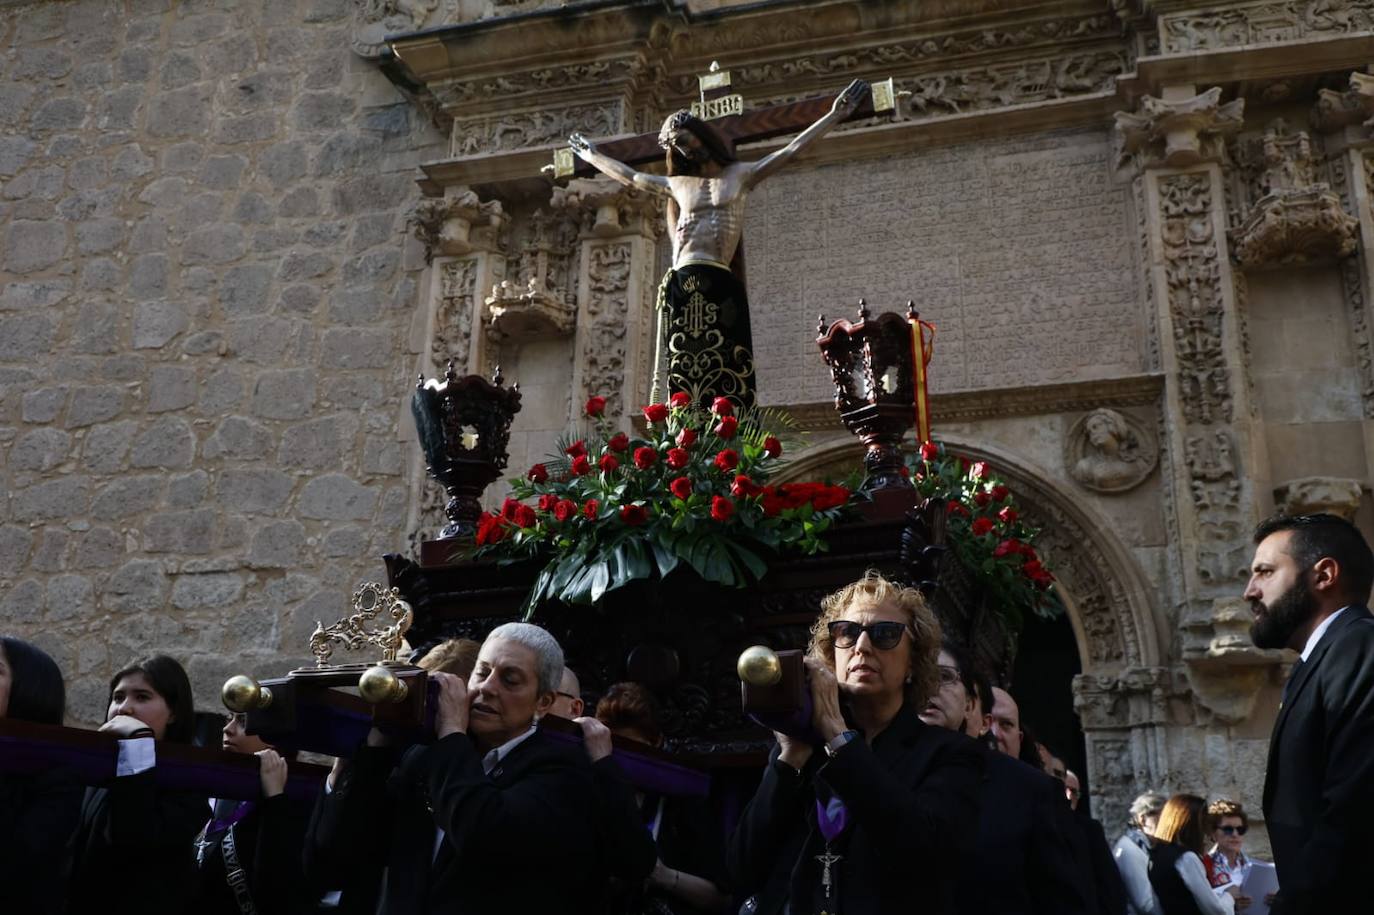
x=702 y=303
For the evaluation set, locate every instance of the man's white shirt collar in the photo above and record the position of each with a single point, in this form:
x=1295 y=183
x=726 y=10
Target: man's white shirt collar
x=1320 y=631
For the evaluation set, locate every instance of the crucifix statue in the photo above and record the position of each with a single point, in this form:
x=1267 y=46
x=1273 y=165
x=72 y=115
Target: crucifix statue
x=702 y=305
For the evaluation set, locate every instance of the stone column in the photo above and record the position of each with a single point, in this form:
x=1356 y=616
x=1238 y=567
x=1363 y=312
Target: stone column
x=617 y=292
x=1346 y=119
x=1217 y=466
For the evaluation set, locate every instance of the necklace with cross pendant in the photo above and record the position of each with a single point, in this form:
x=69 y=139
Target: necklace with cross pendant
x=827 y=860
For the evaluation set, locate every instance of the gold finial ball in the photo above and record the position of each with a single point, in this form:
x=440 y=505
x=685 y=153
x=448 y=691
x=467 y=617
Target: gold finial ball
x=244 y=694
x=378 y=685
x=759 y=666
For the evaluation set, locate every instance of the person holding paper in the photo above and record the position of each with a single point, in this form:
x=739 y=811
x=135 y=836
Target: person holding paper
x=1229 y=865
x=1309 y=592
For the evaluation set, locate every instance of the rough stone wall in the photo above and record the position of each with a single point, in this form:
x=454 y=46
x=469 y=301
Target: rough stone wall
x=205 y=300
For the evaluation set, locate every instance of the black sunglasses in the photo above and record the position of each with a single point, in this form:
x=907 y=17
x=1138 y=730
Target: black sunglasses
x=883 y=635
x=1233 y=830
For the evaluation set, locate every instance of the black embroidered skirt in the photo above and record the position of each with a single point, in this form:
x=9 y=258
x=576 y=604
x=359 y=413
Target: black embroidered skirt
x=706 y=334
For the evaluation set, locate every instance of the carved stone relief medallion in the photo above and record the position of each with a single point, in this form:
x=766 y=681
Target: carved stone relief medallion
x=1108 y=451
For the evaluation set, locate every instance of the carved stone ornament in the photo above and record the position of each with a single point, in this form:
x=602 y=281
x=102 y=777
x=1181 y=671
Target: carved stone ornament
x=373 y=20
x=1298 y=219
x=539 y=304
x=1190 y=131
x=1355 y=105
x=1134 y=697
x=1264 y=22
x=1107 y=451
x=1309 y=495
x=446 y=225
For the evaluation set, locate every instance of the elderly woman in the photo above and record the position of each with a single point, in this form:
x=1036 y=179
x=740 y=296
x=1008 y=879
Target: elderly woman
x=457 y=822
x=1132 y=853
x=1228 y=864
x=881 y=810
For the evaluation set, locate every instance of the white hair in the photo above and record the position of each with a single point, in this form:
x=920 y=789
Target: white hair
x=548 y=654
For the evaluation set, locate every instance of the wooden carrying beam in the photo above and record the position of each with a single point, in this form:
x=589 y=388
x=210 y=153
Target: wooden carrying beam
x=89 y=758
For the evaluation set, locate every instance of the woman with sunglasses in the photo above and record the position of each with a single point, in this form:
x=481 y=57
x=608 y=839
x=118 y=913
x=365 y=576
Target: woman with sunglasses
x=876 y=807
x=1228 y=865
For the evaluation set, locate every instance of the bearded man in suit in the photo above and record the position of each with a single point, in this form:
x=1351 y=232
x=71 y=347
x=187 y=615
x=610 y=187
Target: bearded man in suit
x=1309 y=589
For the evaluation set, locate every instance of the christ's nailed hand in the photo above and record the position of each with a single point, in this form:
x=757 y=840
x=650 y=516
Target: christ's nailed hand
x=579 y=143
x=849 y=99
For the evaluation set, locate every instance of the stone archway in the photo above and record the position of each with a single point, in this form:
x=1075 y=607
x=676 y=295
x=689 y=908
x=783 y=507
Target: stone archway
x=1124 y=694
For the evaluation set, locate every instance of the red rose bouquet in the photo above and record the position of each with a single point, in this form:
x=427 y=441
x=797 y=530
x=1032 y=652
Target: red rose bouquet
x=611 y=508
x=985 y=531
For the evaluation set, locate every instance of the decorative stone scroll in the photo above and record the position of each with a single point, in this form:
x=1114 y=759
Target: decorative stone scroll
x=1297 y=219
x=452 y=340
x=445 y=224
x=1108 y=451
x=507 y=131
x=604 y=351
x=1319 y=494
x=1355 y=105
x=1264 y=23
x=1190 y=130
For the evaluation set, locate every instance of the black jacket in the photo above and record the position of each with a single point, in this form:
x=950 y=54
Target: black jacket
x=1024 y=863
x=1173 y=894
x=912 y=801
x=1319 y=786
x=38 y=814
x=133 y=827
x=267 y=843
x=523 y=839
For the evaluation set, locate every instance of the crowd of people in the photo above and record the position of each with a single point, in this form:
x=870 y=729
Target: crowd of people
x=915 y=787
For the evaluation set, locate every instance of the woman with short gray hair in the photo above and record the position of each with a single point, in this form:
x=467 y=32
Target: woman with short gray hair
x=1132 y=854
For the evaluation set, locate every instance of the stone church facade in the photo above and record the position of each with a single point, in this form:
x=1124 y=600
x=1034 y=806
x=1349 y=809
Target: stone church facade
x=232 y=232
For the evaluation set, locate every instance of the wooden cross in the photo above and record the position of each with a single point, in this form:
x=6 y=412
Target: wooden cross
x=726 y=114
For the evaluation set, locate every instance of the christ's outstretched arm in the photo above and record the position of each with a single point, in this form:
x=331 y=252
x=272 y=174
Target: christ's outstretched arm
x=845 y=103
x=616 y=169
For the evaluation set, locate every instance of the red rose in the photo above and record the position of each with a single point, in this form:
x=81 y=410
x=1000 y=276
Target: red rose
x=744 y=488
x=726 y=427
x=1008 y=514
x=954 y=507
x=905 y=471
x=565 y=510
x=490 y=529
x=655 y=412
x=576 y=449
x=980 y=471
x=678 y=458
x=538 y=474
x=634 y=515
x=964 y=464
x=581 y=466
x=681 y=487
x=1032 y=568
x=721 y=508
x=524 y=516
x=981 y=526
x=608 y=463
x=1009 y=547
x=929 y=451
x=982 y=498
x=680 y=399
x=1000 y=493
x=590 y=508
x=547 y=501
x=727 y=460
x=508 y=508
x=618 y=442
x=722 y=406
x=645 y=458
x=829 y=497
x=772 y=447
x=596 y=406
x=772 y=502
x=686 y=438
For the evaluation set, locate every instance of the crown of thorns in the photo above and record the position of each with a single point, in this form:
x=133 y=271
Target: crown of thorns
x=676 y=121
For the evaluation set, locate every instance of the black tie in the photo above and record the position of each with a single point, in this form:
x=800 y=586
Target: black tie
x=1292 y=675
